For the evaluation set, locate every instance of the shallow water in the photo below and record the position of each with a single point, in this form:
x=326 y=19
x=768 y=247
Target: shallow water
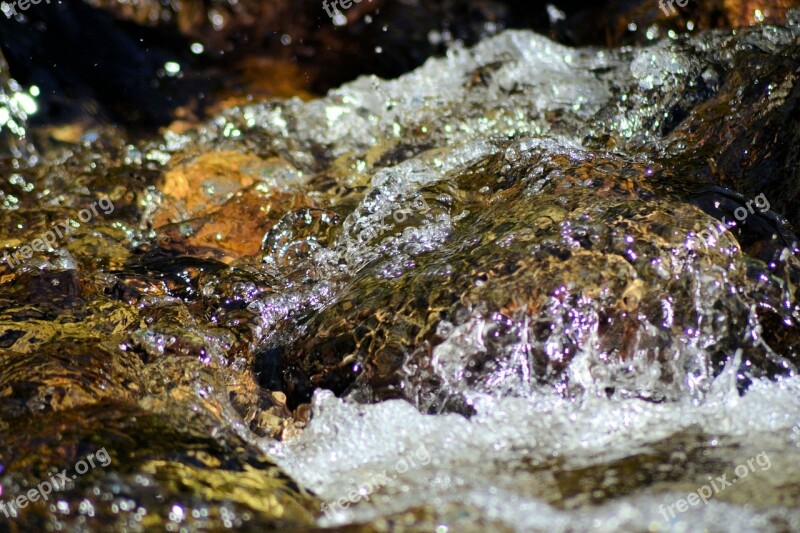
x=546 y=463
x=496 y=279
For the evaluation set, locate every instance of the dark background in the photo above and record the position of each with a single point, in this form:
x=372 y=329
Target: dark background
x=102 y=61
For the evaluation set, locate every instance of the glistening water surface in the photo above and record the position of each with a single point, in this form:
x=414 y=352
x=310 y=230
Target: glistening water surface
x=523 y=287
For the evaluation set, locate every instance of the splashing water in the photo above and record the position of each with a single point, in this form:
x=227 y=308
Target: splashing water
x=488 y=277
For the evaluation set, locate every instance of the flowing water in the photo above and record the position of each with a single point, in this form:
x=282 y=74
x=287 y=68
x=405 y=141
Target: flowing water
x=523 y=287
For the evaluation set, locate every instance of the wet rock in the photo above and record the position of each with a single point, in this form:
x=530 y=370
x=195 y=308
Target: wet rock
x=542 y=264
x=212 y=482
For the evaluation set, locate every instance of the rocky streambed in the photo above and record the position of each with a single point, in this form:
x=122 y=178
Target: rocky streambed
x=523 y=287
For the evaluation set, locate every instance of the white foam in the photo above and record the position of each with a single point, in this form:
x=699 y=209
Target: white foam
x=504 y=462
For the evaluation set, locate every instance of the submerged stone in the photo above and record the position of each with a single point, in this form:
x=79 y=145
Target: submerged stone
x=553 y=257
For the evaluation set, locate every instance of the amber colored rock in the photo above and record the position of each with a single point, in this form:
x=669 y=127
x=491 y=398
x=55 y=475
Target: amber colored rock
x=196 y=184
x=749 y=12
x=234 y=230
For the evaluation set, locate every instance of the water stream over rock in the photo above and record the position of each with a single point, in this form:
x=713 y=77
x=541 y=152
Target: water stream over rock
x=523 y=287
